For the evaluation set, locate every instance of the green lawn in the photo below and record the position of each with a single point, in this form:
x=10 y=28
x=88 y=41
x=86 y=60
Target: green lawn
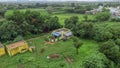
x=39 y=60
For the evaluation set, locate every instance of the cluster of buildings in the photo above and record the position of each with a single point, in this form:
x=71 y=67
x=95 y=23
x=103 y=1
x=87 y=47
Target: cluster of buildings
x=22 y=46
x=95 y=11
x=115 y=12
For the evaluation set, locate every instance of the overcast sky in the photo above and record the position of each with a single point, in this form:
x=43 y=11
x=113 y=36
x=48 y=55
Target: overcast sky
x=61 y=0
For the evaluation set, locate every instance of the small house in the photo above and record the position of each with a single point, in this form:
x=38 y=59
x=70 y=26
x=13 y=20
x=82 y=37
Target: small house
x=2 y=50
x=62 y=33
x=18 y=47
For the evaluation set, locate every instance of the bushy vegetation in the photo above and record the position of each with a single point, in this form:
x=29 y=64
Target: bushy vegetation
x=78 y=9
x=26 y=23
x=103 y=16
x=20 y=24
x=115 y=19
x=98 y=61
x=111 y=50
x=100 y=31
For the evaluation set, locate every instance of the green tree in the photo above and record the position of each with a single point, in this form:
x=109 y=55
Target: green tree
x=77 y=44
x=104 y=31
x=96 y=61
x=71 y=22
x=9 y=30
x=111 y=50
x=51 y=23
x=17 y=17
x=2 y=12
x=85 y=17
x=103 y=16
x=118 y=42
x=73 y=5
x=84 y=30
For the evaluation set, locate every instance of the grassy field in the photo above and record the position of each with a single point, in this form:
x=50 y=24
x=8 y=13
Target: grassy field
x=39 y=60
x=42 y=11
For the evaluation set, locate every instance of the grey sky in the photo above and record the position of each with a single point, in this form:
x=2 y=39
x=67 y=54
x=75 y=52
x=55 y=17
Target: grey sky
x=61 y=0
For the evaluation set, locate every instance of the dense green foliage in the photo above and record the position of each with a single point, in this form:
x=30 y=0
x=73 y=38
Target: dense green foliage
x=105 y=32
x=103 y=16
x=99 y=32
x=111 y=50
x=26 y=23
x=78 y=9
x=96 y=61
x=2 y=12
x=77 y=43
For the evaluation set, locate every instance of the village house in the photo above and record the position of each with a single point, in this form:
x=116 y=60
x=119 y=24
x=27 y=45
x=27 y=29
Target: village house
x=18 y=47
x=2 y=50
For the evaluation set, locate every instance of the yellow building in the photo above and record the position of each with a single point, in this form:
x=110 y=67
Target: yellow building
x=2 y=50
x=18 y=47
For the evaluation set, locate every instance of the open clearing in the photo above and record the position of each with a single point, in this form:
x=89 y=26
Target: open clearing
x=38 y=59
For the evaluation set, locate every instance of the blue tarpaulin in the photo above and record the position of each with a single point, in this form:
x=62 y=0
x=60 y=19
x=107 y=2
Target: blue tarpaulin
x=56 y=34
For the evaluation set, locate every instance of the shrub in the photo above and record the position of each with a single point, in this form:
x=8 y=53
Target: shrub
x=115 y=19
x=111 y=50
x=96 y=61
x=103 y=16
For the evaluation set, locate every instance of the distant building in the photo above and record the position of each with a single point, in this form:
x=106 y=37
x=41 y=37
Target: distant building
x=115 y=12
x=95 y=11
x=2 y=50
x=18 y=47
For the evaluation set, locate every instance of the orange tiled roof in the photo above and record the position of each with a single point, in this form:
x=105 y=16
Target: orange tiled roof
x=15 y=45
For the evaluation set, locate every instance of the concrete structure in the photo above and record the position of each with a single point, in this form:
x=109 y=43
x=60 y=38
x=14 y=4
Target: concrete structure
x=18 y=47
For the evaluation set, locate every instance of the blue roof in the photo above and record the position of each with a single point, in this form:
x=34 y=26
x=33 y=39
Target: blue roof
x=56 y=34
